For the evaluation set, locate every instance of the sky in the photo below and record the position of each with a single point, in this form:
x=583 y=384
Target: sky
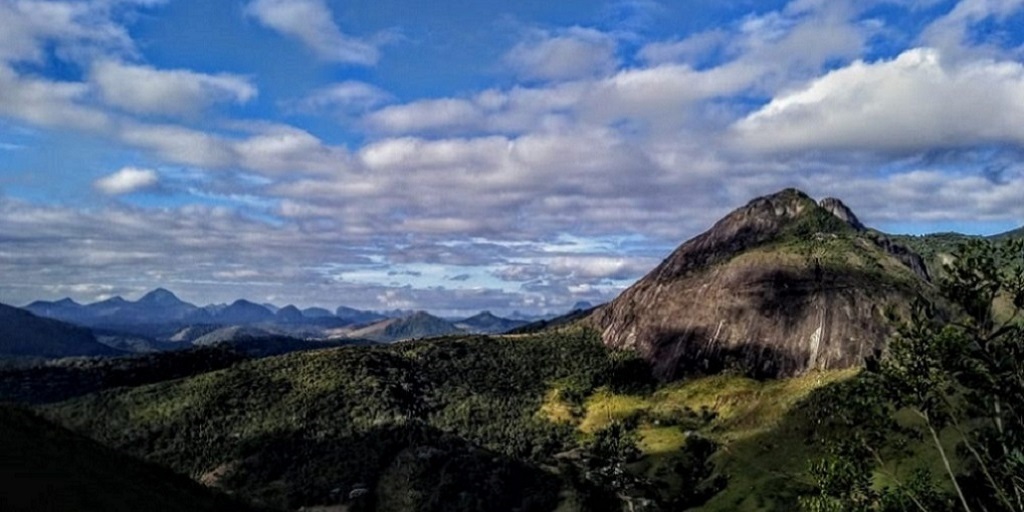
x=466 y=155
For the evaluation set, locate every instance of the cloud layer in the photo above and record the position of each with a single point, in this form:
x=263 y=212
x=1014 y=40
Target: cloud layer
x=559 y=166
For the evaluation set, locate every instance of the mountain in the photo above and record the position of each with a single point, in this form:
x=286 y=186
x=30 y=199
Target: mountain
x=289 y=315
x=243 y=312
x=192 y=332
x=356 y=316
x=1015 y=233
x=64 y=309
x=105 y=308
x=581 y=306
x=23 y=334
x=161 y=298
x=48 y=468
x=778 y=287
x=487 y=323
x=232 y=333
x=317 y=313
x=418 y=325
x=156 y=307
x=159 y=306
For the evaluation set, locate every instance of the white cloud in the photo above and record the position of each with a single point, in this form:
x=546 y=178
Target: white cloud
x=287 y=149
x=762 y=54
x=311 y=22
x=270 y=149
x=950 y=33
x=146 y=90
x=914 y=102
x=600 y=267
x=77 y=30
x=348 y=96
x=571 y=54
x=48 y=103
x=127 y=181
x=179 y=144
x=427 y=115
x=690 y=50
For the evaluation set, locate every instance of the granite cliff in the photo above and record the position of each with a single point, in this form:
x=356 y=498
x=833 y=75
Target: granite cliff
x=778 y=287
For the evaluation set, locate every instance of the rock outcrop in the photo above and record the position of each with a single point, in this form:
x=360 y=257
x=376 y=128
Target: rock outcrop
x=839 y=209
x=778 y=287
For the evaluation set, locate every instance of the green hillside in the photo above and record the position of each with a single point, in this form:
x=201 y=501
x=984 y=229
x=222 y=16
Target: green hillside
x=305 y=428
x=456 y=423
x=47 y=468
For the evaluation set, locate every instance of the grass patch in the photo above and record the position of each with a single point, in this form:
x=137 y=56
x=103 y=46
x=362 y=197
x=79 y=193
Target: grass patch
x=661 y=440
x=555 y=409
x=735 y=407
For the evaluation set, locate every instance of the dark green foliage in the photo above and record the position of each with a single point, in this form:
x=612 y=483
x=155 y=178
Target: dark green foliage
x=615 y=444
x=964 y=378
x=44 y=467
x=68 y=378
x=306 y=428
x=695 y=473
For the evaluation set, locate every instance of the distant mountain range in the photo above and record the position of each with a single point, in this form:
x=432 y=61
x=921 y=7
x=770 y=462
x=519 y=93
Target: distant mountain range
x=160 y=321
x=162 y=308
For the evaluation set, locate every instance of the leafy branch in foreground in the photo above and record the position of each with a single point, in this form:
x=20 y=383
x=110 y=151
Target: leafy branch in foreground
x=959 y=378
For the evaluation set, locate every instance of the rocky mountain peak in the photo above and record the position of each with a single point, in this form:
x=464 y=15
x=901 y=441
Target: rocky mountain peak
x=761 y=220
x=778 y=286
x=839 y=209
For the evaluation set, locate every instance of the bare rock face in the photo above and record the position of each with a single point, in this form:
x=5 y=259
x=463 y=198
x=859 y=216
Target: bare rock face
x=839 y=209
x=778 y=287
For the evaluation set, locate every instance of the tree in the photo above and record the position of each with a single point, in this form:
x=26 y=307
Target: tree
x=961 y=374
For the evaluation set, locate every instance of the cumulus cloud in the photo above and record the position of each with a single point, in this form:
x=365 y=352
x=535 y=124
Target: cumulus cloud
x=428 y=115
x=311 y=22
x=146 y=90
x=760 y=54
x=287 y=149
x=570 y=54
x=48 y=103
x=179 y=144
x=269 y=149
x=912 y=103
x=127 y=181
x=347 y=96
x=75 y=31
x=600 y=267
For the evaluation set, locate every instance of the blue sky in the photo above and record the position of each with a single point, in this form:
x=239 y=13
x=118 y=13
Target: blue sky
x=474 y=154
